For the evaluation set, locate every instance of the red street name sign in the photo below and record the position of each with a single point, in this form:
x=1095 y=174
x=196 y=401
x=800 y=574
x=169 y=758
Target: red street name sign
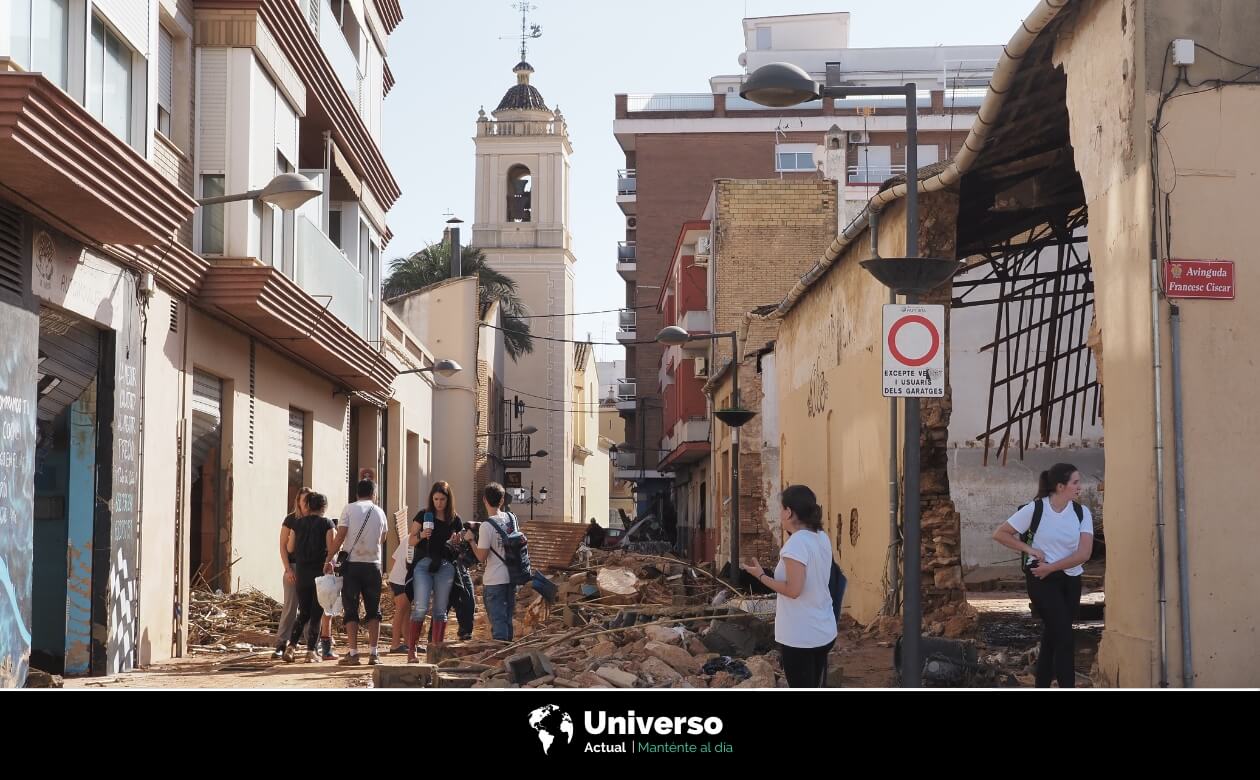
x=1212 y=279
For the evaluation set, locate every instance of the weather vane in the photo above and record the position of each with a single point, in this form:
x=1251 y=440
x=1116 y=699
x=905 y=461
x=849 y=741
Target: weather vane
x=528 y=31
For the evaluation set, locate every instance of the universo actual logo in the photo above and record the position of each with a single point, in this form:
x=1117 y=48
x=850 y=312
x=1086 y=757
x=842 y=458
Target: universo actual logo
x=548 y=723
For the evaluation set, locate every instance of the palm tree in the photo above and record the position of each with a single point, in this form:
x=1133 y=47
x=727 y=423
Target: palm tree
x=433 y=264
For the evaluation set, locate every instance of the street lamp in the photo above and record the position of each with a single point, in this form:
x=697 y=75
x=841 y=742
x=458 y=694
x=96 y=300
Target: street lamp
x=443 y=368
x=538 y=498
x=782 y=84
x=287 y=192
x=735 y=417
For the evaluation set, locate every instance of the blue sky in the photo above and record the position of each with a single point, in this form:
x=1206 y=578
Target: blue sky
x=449 y=60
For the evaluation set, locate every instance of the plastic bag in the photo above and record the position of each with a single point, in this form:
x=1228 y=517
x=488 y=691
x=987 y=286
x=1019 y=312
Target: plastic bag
x=328 y=591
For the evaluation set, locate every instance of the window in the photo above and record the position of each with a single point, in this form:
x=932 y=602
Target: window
x=40 y=34
x=764 y=39
x=874 y=164
x=520 y=193
x=212 y=216
x=109 y=80
x=334 y=228
x=166 y=80
x=794 y=157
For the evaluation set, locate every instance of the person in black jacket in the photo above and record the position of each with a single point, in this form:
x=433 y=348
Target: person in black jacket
x=433 y=573
x=312 y=548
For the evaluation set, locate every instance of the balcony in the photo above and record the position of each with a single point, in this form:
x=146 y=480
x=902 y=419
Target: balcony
x=323 y=272
x=627 y=322
x=627 y=190
x=697 y=322
x=670 y=101
x=873 y=174
x=344 y=62
x=515 y=450
x=627 y=395
x=627 y=260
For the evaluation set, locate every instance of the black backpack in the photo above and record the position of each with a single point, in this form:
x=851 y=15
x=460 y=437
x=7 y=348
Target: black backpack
x=515 y=551
x=1027 y=536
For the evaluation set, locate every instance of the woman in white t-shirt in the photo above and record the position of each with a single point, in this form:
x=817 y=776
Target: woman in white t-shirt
x=804 y=623
x=402 y=598
x=1062 y=541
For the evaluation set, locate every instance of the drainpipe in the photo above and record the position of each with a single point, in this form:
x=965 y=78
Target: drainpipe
x=894 y=497
x=323 y=215
x=1179 y=454
x=1157 y=378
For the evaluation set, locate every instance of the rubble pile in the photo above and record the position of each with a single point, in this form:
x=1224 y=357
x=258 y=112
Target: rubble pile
x=221 y=622
x=626 y=619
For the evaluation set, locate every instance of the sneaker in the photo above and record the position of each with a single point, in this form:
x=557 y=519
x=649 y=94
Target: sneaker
x=311 y=657
x=279 y=653
x=349 y=660
x=287 y=655
x=374 y=660
x=399 y=649
x=326 y=652
x=465 y=637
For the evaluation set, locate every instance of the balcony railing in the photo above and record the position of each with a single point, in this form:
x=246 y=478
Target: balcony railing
x=627 y=182
x=666 y=101
x=626 y=252
x=322 y=270
x=627 y=321
x=627 y=391
x=521 y=128
x=515 y=448
x=873 y=174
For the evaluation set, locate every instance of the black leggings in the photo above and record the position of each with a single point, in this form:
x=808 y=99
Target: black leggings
x=805 y=667
x=1056 y=600
x=310 y=612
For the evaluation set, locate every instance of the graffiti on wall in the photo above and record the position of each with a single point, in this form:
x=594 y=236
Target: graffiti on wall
x=17 y=489
x=124 y=599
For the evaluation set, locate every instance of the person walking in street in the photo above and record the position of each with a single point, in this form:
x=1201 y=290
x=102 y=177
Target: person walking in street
x=359 y=535
x=594 y=535
x=311 y=541
x=1055 y=534
x=496 y=582
x=434 y=571
x=399 y=575
x=288 y=613
x=804 y=623
x=463 y=594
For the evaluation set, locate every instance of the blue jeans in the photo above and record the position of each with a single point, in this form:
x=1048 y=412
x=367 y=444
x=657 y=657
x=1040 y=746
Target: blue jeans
x=425 y=584
x=500 y=606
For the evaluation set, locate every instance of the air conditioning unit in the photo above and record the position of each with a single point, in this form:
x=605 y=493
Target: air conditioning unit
x=703 y=248
x=632 y=223
x=702 y=368
x=859 y=137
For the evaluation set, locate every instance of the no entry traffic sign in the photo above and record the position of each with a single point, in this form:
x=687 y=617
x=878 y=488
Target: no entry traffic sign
x=914 y=351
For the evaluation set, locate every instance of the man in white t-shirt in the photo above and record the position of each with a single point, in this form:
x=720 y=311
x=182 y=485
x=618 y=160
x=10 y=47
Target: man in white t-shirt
x=360 y=532
x=498 y=592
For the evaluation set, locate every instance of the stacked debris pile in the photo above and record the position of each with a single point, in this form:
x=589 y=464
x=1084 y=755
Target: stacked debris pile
x=221 y=622
x=632 y=620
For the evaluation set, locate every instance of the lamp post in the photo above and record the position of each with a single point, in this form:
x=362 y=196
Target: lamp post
x=735 y=417
x=287 y=192
x=782 y=84
x=444 y=368
x=535 y=499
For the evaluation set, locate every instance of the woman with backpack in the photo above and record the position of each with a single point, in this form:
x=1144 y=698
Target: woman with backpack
x=311 y=544
x=804 y=624
x=1055 y=535
x=433 y=572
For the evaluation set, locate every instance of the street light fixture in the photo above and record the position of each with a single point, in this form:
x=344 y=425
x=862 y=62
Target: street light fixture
x=735 y=417
x=287 y=192
x=779 y=85
x=443 y=368
x=528 y=430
